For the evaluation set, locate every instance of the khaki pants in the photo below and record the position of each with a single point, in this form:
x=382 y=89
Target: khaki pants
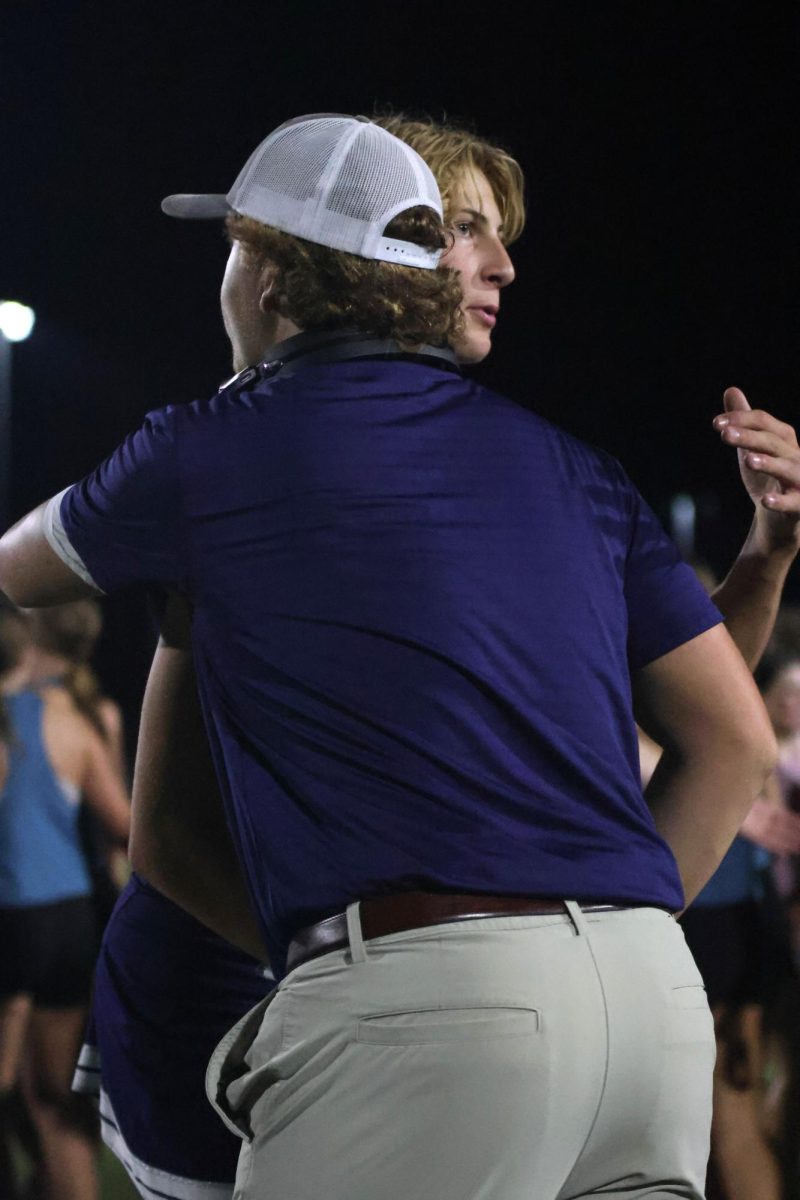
x=505 y=1058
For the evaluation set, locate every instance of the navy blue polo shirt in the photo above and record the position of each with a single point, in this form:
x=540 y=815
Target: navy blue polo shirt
x=416 y=609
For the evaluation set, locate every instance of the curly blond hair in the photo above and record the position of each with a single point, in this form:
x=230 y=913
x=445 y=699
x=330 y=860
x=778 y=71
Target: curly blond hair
x=321 y=288
x=451 y=152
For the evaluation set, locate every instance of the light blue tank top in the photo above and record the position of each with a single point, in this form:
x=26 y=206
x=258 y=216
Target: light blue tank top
x=41 y=859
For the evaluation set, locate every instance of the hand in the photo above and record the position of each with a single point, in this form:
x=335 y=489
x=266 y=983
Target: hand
x=769 y=462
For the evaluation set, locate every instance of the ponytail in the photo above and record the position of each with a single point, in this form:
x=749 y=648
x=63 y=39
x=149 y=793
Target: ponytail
x=84 y=691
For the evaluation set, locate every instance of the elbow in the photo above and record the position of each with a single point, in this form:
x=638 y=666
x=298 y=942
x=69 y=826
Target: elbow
x=19 y=581
x=757 y=747
x=22 y=588
x=12 y=584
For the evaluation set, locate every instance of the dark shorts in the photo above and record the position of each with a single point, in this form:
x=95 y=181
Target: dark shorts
x=728 y=944
x=47 y=951
x=166 y=991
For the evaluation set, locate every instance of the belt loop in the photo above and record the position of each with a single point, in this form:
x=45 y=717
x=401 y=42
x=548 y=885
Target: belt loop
x=354 y=935
x=577 y=917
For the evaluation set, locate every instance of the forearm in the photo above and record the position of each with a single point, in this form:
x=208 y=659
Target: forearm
x=196 y=867
x=750 y=595
x=699 y=801
x=700 y=703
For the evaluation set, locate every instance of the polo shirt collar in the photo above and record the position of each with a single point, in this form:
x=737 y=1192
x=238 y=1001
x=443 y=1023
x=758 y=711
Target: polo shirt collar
x=309 y=349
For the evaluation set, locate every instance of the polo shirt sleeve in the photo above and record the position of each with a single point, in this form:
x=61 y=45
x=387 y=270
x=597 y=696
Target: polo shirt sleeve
x=123 y=523
x=666 y=603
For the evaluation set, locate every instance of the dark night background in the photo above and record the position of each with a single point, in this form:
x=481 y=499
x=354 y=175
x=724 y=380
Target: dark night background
x=659 y=266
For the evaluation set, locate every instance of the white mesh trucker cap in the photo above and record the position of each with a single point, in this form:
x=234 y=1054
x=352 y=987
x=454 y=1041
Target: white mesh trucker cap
x=331 y=179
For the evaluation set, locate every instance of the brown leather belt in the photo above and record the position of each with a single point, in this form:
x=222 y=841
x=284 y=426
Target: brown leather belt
x=382 y=915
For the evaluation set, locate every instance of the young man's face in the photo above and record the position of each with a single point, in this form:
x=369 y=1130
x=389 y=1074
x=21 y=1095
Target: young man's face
x=247 y=327
x=481 y=260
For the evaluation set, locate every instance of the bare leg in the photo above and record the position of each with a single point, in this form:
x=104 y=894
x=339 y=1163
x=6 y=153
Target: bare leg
x=15 y=1014
x=66 y=1123
x=747 y=1167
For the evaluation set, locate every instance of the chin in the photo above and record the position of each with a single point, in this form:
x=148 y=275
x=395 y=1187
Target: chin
x=473 y=348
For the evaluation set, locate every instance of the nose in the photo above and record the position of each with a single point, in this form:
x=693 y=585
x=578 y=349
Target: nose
x=498 y=268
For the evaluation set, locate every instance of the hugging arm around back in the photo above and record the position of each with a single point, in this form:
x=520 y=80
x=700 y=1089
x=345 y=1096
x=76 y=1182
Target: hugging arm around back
x=180 y=841
x=179 y=838
x=699 y=702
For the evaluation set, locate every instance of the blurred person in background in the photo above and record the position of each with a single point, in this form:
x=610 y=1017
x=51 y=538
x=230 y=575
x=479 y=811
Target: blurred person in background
x=733 y=927
x=55 y=761
x=65 y=638
x=737 y=937
x=779 y=678
x=781 y=683
x=15 y=1127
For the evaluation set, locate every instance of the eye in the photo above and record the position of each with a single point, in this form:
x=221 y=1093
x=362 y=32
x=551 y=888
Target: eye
x=463 y=228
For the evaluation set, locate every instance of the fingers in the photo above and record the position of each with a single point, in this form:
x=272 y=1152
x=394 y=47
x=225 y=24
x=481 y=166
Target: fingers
x=734 y=400
x=784 y=502
x=786 y=473
x=754 y=419
x=761 y=440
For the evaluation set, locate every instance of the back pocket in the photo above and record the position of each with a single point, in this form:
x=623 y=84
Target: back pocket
x=690 y=995
x=424 y=1026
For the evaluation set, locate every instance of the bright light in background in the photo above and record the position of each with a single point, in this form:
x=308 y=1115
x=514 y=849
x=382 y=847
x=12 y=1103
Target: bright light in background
x=16 y=320
x=683 y=515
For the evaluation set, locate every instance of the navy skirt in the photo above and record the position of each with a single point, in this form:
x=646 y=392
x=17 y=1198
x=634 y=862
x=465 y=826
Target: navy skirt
x=166 y=991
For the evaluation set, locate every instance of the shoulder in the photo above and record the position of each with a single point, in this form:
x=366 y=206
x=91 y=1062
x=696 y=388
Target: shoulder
x=582 y=455
x=56 y=699
x=233 y=401
x=62 y=716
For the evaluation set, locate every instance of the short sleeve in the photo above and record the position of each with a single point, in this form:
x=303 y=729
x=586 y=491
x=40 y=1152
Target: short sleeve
x=123 y=523
x=667 y=605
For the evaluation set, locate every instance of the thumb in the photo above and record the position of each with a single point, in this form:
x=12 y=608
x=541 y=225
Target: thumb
x=735 y=400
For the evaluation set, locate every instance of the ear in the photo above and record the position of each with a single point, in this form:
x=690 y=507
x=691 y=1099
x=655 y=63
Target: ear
x=268 y=284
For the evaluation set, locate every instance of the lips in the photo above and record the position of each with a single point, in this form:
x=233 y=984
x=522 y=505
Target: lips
x=487 y=313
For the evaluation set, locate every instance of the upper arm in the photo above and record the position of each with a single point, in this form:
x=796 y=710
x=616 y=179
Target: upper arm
x=32 y=574
x=124 y=522
x=666 y=605
x=174 y=780
x=120 y=525
x=702 y=693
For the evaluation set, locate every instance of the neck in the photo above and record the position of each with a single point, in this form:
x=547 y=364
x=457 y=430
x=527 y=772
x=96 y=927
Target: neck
x=44 y=665
x=280 y=330
x=284 y=328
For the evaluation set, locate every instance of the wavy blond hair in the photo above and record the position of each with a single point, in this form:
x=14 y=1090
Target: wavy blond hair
x=451 y=152
x=71 y=631
x=321 y=288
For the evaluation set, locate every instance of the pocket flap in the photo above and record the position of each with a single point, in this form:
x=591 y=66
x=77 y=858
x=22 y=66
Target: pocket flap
x=425 y=1026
